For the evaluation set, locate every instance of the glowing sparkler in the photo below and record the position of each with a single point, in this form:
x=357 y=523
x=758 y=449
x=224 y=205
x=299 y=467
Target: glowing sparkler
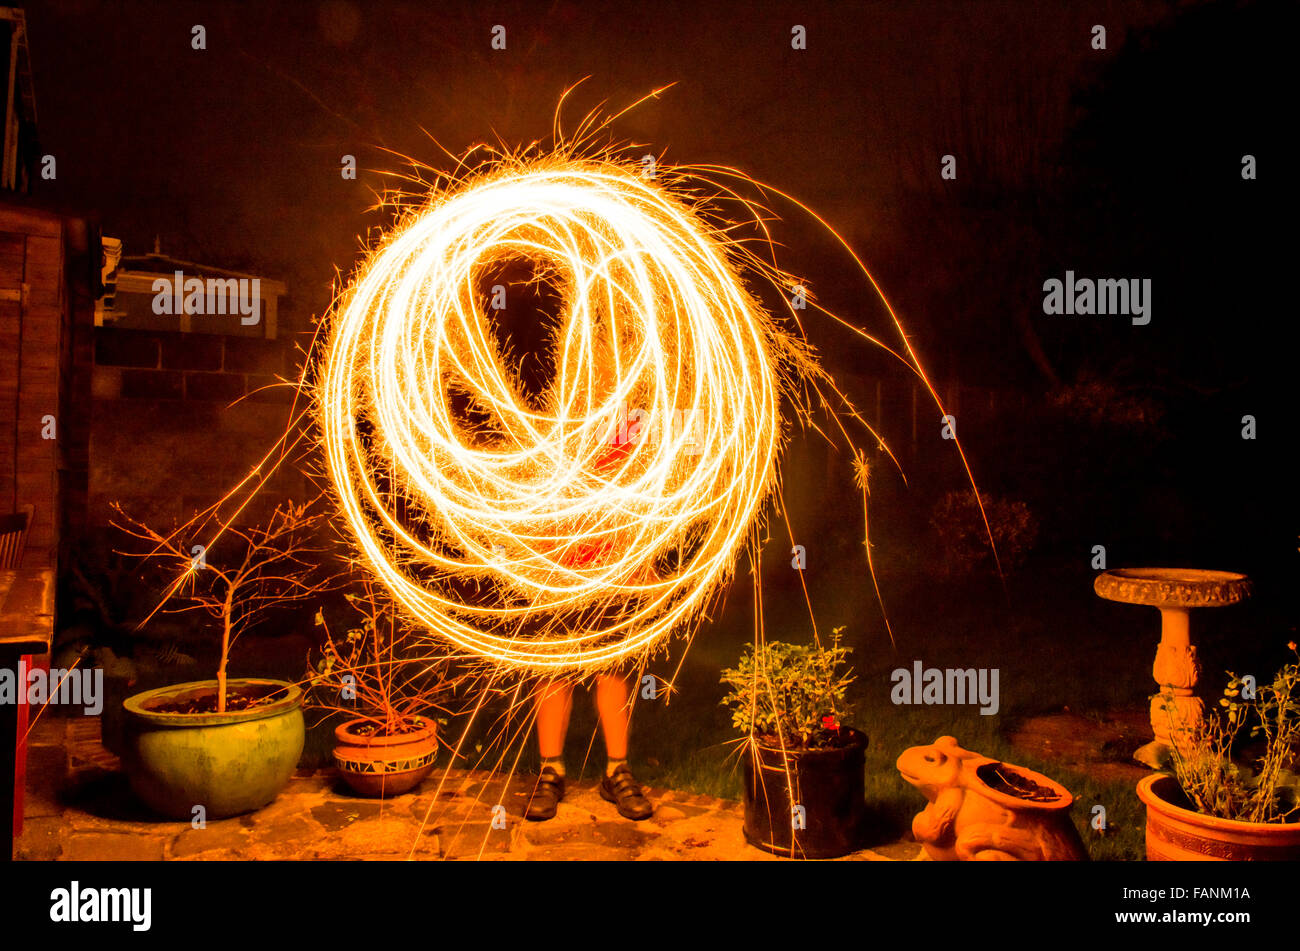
x=524 y=531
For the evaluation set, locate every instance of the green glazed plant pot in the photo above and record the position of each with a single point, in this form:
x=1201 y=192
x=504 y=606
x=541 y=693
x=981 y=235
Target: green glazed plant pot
x=228 y=763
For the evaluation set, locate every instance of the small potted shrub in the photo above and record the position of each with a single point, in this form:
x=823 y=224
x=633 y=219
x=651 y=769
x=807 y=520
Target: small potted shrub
x=959 y=523
x=229 y=746
x=388 y=743
x=1214 y=807
x=803 y=790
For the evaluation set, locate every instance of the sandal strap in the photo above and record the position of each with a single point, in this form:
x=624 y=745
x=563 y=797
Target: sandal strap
x=624 y=785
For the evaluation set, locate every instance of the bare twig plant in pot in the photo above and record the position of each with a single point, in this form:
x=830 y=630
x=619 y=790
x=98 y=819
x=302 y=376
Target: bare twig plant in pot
x=1214 y=806
x=390 y=693
x=803 y=786
x=224 y=746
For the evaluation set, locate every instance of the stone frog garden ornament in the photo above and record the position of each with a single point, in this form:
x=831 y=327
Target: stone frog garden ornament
x=985 y=810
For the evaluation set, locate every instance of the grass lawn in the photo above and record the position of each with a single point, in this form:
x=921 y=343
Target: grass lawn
x=688 y=742
x=1056 y=646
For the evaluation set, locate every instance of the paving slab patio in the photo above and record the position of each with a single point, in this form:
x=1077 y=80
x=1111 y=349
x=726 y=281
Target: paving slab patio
x=79 y=806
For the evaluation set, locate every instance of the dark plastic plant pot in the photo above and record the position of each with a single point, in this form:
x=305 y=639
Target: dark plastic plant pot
x=828 y=784
x=382 y=766
x=228 y=763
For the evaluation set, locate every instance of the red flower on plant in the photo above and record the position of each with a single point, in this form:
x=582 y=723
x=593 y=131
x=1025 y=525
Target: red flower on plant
x=829 y=723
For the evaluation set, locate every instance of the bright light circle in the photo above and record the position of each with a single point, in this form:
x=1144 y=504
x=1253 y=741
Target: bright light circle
x=516 y=528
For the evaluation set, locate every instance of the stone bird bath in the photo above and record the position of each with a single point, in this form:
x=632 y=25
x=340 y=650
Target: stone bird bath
x=1174 y=591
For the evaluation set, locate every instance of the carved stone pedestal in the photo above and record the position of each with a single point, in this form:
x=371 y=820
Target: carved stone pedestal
x=1175 y=591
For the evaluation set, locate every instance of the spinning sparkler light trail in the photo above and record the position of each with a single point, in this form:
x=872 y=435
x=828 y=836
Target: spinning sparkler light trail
x=526 y=531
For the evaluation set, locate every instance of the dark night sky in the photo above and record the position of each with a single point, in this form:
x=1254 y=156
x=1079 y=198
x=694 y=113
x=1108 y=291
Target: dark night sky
x=231 y=154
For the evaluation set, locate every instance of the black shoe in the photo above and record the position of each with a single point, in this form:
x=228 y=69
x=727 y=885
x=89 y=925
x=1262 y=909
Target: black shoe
x=546 y=796
x=625 y=793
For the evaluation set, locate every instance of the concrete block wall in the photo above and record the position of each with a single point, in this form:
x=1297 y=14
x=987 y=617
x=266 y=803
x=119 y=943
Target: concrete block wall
x=180 y=418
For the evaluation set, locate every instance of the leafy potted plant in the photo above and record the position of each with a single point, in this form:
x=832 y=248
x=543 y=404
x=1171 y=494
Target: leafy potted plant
x=1213 y=807
x=803 y=790
x=388 y=693
x=226 y=745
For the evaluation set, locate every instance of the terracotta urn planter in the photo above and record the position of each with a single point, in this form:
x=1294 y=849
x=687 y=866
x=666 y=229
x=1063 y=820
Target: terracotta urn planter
x=380 y=766
x=982 y=809
x=1178 y=834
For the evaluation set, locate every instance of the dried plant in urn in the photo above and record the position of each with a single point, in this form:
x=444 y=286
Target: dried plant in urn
x=224 y=746
x=390 y=691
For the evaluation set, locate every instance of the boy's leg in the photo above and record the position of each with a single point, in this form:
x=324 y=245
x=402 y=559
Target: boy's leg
x=554 y=704
x=614 y=704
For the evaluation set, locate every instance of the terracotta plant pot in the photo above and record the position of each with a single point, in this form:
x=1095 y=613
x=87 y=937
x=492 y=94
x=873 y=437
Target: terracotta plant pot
x=826 y=783
x=382 y=766
x=1177 y=834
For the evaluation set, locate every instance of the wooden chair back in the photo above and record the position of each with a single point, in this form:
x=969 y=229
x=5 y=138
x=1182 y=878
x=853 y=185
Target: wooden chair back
x=13 y=536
